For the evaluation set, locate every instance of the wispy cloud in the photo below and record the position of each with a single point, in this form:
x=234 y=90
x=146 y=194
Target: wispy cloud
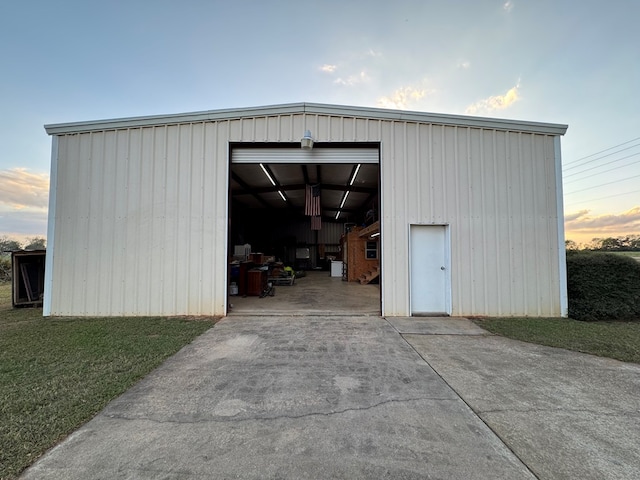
x=353 y=80
x=353 y=68
x=613 y=224
x=24 y=197
x=464 y=64
x=497 y=102
x=507 y=6
x=21 y=189
x=570 y=217
x=403 y=98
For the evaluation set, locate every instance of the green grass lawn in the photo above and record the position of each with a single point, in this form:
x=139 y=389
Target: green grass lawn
x=55 y=374
x=619 y=340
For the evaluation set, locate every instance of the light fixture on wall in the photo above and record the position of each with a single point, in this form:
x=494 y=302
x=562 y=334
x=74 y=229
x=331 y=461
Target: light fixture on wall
x=306 y=142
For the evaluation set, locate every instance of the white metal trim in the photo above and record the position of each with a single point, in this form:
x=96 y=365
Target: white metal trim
x=299 y=156
x=447 y=259
x=381 y=263
x=409 y=261
x=308 y=108
x=227 y=252
x=51 y=227
x=562 y=253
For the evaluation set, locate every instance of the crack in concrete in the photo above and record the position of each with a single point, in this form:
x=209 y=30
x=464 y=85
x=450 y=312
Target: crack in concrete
x=234 y=418
x=528 y=467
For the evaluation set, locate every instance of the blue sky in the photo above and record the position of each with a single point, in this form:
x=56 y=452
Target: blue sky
x=558 y=61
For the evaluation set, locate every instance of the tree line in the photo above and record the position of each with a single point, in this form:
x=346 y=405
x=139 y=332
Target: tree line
x=8 y=245
x=627 y=243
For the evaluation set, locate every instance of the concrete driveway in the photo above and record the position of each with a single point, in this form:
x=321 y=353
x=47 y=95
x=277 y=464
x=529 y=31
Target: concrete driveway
x=358 y=397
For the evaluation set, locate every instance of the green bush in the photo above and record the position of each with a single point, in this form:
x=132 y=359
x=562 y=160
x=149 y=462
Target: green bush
x=5 y=268
x=603 y=286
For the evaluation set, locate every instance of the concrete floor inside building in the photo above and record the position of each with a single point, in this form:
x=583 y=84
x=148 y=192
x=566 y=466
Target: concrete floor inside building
x=317 y=293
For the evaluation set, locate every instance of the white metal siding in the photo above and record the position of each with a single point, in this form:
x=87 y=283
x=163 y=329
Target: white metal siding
x=141 y=222
x=562 y=261
x=497 y=192
x=48 y=273
x=140 y=213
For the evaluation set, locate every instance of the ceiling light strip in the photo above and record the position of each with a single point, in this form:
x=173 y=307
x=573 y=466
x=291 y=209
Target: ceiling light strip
x=344 y=199
x=282 y=195
x=355 y=173
x=267 y=174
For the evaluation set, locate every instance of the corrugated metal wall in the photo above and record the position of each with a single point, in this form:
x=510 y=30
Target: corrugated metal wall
x=141 y=213
x=141 y=222
x=496 y=190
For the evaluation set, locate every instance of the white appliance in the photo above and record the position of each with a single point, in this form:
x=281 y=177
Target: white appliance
x=336 y=268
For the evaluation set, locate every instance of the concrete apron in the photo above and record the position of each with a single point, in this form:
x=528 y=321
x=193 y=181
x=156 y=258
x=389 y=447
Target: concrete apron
x=565 y=414
x=288 y=397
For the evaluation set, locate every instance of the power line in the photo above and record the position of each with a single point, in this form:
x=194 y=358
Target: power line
x=601 y=198
x=600 y=166
x=601 y=151
x=598 y=173
x=600 y=158
x=602 y=185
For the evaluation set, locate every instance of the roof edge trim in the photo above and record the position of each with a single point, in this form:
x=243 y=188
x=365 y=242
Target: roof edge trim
x=307 y=108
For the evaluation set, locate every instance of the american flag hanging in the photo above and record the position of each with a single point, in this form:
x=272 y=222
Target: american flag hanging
x=312 y=201
x=316 y=223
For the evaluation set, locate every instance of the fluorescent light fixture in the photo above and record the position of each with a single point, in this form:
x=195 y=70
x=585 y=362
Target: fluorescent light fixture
x=267 y=174
x=375 y=235
x=306 y=142
x=346 y=194
x=273 y=182
x=353 y=179
x=337 y=214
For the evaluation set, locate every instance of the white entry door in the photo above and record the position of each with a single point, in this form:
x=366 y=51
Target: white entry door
x=430 y=279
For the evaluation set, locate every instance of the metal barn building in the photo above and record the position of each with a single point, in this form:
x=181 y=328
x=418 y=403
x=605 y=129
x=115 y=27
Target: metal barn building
x=142 y=210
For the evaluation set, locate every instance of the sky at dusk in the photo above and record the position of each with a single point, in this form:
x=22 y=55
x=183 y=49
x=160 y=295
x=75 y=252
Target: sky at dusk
x=557 y=61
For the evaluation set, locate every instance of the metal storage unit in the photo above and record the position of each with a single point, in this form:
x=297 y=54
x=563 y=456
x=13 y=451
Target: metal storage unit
x=27 y=273
x=138 y=207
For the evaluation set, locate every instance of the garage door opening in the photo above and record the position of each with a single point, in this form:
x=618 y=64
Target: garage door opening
x=304 y=230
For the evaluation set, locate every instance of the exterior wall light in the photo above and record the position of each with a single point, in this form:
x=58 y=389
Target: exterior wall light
x=306 y=142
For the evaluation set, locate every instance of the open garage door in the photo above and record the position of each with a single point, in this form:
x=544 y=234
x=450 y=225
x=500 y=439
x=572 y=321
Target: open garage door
x=294 y=209
x=298 y=156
